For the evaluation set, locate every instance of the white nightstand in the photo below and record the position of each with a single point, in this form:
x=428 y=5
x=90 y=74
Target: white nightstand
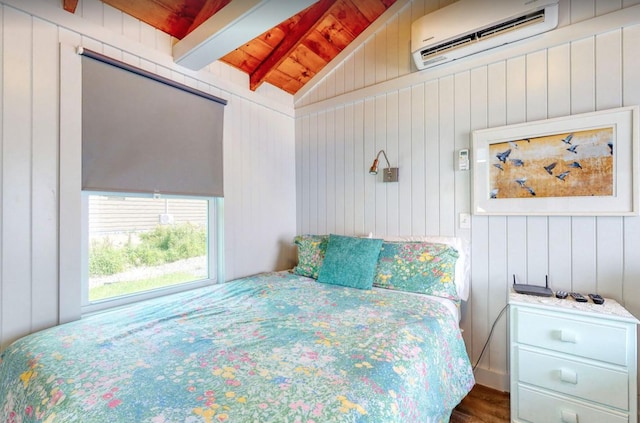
x=572 y=362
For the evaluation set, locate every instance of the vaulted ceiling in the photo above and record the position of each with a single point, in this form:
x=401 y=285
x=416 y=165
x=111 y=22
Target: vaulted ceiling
x=287 y=55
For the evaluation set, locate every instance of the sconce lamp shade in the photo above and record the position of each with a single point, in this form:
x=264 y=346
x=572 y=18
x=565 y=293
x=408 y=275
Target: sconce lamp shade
x=374 y=167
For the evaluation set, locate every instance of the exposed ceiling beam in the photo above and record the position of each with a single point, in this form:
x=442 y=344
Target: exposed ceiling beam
x=307 y=23
x=397 y=7
x=234 y=25
x=70 y=5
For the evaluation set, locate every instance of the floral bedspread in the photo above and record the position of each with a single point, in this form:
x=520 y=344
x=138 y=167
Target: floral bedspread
x=275 y=347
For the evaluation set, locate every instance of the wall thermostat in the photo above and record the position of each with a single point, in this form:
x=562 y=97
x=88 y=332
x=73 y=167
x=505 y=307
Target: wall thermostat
x=463 y=159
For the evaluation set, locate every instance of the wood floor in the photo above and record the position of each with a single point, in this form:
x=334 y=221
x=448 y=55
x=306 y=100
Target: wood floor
x=482 y=405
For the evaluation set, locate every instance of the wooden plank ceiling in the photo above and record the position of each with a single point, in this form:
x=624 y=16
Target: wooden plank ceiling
x=287 y=55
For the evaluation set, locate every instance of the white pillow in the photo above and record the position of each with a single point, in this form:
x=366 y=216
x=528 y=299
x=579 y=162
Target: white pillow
x=463 y=264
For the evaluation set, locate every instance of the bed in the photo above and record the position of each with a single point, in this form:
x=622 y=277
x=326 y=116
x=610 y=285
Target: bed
x=274 y=347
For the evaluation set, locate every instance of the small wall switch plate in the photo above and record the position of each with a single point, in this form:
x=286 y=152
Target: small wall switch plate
x=390 y=174
x=465 y=221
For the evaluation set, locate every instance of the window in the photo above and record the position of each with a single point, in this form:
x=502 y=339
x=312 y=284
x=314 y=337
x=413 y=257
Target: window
x=152 y=184
x=140 y=247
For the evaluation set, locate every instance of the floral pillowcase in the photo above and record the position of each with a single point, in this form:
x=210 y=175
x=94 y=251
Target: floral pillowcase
x=311 y=251
x=422 y=267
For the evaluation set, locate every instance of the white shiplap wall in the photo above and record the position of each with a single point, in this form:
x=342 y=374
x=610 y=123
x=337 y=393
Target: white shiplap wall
x=259 y=154
x=375 y=99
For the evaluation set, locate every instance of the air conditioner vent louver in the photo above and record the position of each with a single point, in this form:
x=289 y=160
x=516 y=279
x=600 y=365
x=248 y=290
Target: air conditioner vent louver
x=530 y=19
x=470 y=26
x=458 y=42
x=435 y=60
x=492 y=31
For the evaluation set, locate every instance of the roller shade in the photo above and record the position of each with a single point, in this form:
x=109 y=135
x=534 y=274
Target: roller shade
x=142 y=133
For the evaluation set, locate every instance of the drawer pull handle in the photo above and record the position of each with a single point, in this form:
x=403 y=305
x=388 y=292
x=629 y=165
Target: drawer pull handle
x=567 y=336
x=568 y=376
x=568 y=417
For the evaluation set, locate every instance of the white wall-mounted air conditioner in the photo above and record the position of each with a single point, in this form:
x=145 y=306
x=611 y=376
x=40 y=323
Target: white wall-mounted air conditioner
x=471 y=26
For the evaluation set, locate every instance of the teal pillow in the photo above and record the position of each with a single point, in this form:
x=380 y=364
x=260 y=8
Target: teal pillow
x=350 y=261
x=422 y=267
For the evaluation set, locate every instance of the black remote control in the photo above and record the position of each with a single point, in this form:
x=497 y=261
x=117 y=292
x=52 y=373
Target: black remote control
x=597 y=299
x=579 y=297
x=561 y=294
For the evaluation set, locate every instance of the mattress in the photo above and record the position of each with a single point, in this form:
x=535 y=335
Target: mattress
x=274 y=347
x=452 y=306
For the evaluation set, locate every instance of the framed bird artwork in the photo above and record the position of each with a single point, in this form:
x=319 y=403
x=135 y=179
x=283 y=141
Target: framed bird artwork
x=584 y=164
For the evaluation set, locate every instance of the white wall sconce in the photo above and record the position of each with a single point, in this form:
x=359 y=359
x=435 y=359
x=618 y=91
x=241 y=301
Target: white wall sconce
x=389 y=174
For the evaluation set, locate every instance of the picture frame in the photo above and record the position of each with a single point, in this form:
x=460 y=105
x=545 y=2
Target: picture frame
x=579 y=165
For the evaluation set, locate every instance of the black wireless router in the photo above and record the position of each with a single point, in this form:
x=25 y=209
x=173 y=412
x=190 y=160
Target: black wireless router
x=541 y=291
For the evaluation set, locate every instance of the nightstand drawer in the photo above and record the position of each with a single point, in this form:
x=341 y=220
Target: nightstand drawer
x=537 y=407
x=593 y=383
x=584 y=338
